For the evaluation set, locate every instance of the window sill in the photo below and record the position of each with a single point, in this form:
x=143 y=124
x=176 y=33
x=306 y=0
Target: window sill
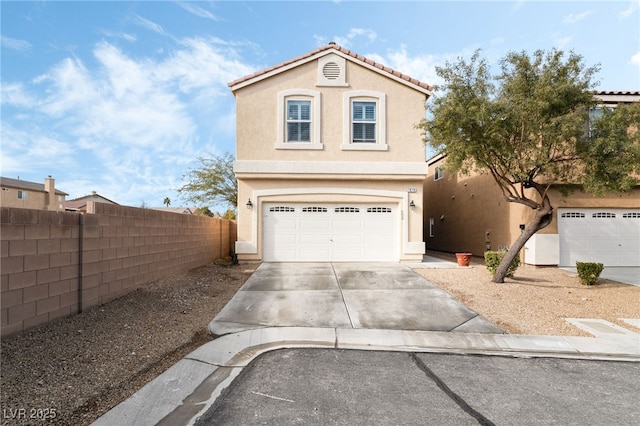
x=364 y=147
x=300 y=145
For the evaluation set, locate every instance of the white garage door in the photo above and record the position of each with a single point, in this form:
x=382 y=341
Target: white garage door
x=330 y=232
x=609 y=236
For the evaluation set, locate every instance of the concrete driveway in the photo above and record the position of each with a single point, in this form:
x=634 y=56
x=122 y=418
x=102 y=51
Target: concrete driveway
x=344 y=295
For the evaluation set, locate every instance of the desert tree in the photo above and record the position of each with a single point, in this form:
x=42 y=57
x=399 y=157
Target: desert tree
x=528 y=127
x=212 y=182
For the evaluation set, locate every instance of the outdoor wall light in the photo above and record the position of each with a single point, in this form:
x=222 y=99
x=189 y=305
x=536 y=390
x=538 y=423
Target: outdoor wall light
x=412 y=205
x=249 y=204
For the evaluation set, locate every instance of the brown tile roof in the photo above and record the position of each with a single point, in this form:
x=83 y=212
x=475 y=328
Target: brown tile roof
x=334 y=46
x=617 y=92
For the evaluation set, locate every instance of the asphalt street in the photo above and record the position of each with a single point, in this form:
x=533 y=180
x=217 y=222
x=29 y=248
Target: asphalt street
x=340 y=387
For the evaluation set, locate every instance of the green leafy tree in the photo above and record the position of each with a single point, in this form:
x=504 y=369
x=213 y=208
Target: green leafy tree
x=204 y=211
x=167 y=202
x=230 y=214
x=527 y=128
x=213 y=182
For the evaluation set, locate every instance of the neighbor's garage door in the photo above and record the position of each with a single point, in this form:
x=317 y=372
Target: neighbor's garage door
x=330 y=232
x=608 y=236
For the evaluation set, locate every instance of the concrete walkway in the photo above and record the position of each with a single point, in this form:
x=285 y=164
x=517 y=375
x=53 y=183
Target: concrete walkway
x=350 y=307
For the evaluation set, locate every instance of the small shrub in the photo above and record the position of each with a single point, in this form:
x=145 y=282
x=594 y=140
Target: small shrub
x=492 y=260
x=589 y=272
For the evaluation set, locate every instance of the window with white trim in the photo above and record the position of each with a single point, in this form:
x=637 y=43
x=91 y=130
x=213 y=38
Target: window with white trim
x=298 y=119
x=364 y=120
x=363 y=124
x=22 y=195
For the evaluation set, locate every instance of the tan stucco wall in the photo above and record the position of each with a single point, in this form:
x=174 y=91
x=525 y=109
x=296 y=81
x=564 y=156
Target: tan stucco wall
x=35 y=200
x=473 y=205
x=257 y=123
x=469 y=214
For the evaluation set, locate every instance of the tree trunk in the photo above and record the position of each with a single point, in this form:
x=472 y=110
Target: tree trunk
x=541 y=220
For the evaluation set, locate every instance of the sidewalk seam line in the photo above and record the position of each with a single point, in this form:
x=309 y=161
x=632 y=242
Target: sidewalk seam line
x=342 y=294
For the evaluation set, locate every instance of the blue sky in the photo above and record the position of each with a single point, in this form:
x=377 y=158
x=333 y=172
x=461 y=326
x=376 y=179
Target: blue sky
x=121 y=97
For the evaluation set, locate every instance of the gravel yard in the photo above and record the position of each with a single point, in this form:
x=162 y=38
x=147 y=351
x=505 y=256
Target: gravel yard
x=79 y=367
x=536 y=300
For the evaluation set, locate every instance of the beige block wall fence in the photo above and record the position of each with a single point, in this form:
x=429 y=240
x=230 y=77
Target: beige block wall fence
x=55 y=264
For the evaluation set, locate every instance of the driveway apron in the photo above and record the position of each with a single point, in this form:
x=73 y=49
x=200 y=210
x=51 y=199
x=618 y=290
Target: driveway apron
x=344 y=295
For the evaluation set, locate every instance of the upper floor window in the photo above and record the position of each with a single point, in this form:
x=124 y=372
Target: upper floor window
x=364 y=121
x=298 y=119
x=438 y=173
x=22 y=195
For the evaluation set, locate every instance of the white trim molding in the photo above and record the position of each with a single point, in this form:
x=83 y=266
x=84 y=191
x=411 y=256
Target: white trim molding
x=331 y=167
x=381 y=120
x=299 y=94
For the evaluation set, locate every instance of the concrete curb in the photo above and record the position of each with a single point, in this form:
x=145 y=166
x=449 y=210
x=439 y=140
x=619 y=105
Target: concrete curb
x=187 y=389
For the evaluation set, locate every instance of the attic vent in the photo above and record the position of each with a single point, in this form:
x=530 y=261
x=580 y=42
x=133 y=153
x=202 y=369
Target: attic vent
x=331 y=71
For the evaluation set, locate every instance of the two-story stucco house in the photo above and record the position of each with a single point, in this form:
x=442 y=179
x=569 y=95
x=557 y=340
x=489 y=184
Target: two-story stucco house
x=468 y=213
x=330 y=166
x=32 y=195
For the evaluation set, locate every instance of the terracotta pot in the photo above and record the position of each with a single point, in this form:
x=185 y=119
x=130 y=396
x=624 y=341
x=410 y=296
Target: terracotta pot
x=463 y=258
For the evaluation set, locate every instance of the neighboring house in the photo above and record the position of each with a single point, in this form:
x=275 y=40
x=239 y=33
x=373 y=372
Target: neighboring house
x=80 y=204
x=468 y=213
x=181 y=210
x=31 y=195
x=330 y=165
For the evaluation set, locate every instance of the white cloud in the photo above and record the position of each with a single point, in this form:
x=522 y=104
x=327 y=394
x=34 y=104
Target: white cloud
x=573 y=18
x=346 y=41
x=633 y=7
x=15 y=44
x=120 y=35
x=420 y=67
x=560 y=42
x=198 y=11
x=635 y=59
x=150 y=25
x=25 y=149
x=14 y=94
x=133 y=124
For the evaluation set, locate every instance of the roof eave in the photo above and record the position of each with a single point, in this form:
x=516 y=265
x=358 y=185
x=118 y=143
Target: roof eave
x=323 y=51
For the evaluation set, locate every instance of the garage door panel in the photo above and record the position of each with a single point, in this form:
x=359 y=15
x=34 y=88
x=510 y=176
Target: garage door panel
x=315 y=225
x=330 y=232
x=353 y=239
x=282 y=238
x=313 y=238
x=312 y=255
